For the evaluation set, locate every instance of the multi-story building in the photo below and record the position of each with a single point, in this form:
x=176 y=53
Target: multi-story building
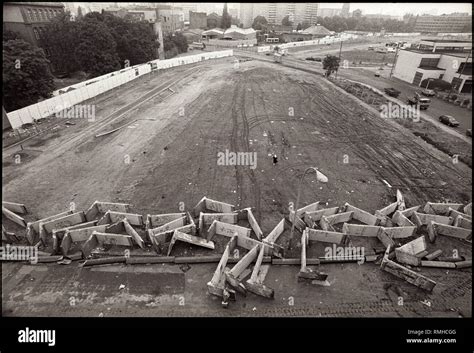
x=449 y=60
x=444 y=24
x=345 y=9
x=171 y=18
x=329 y=12
x=187 y=7
x=29 y=19
x=197 y=20
x=275 y=12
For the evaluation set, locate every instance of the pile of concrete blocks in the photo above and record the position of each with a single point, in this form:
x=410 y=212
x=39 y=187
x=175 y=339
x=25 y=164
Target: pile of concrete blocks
x=405 y=236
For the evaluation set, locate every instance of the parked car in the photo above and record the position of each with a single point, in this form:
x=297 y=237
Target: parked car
x=448 y=120
x=392 y=92
x=391 y=50
x=469 y=132
x=423 y=103
x=377 y=74
x=371 y=47
x=428 y=92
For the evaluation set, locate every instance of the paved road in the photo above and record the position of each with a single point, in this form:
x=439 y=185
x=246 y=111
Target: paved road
x=438 y=107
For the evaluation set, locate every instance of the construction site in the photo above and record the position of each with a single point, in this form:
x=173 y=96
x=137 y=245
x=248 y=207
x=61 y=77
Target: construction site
x=241 y=185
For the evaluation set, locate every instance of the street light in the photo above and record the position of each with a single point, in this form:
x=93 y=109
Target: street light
x=319 y=177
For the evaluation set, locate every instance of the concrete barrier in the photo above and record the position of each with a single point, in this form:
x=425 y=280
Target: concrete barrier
x=102 y=207
x=154 y=221
x=441 y=208
x=325 y=236
x=191 y=239
x=422 y=219
x=453 y=213
x=208 y=218
x=15 y=207
x=63 y=222
x=32 y=228
x=327 y=222
x=113 y=217
x=78 y=235
x=135 y=236
x=435 y=229
x=468 y=209
x=401 y=220
x=13 y=217
x=462 y=222
x=410 y=252
x=310 y=218
x=361 y=215
x=227 y=230
x=216 y=285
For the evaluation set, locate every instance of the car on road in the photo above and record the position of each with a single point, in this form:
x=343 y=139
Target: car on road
x=377 y=74
x=391 y=50
x=448 y=120
x=428 y=92
x=392 y=92
x=469 y=132
x=371 y=47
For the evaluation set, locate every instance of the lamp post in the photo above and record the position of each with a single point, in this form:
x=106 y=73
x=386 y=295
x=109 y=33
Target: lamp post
x=319 y=177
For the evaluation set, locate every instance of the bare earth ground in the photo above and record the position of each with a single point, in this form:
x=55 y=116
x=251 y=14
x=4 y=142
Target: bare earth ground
x=173 y=159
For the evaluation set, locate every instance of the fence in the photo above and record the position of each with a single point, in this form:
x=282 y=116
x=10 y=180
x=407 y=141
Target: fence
x=83 y=91
x=325 y=40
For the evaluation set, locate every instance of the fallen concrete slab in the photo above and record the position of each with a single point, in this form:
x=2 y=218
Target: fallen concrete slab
x=159 y=239
x=226 y=229
x=99 y=207
x=255 y=283
x=453 y=213
x=468 y=209
x=385 y=239
x=410 y=253
x=408 y=212
x=232 y=275
x=310 y=218
x=422 y=219
x=216 y=285
x=253 y=224
x=207 y=218
x=433 y=255
x=33 y=228
x=133 y=233
x=100 y=239
x=78 y=235
x=327 y=222
x=58 y=234
x=177 y=223
x=401 y=220
x=64 y=222
x=15 y=207
x=400 y=201
x=155 y=221
x=211 y=205
x=441 y=208
x=13 y=217
x=360 y=230
x=325 y=236
x=308 y=208
x=400 y=232
x=464 y=264
x=406 y=274
x=462 y=222
x=191 y=239
x=383 y=214
x=436 y=229
x=113 y=217
x=361 y=215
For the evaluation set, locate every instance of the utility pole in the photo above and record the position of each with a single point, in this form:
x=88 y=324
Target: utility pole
x=340 y=51
x=394 y=61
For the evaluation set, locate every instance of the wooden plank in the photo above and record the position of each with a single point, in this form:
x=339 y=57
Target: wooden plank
x=303 y=251
x=401 y=220
x=360 y=230
x=407 y=275
x=13 y=217
x=441 y=208
x=14 y=207
x=438 y=264
x=253 y=223
x=191 y=239
x=325 y=236
x=450 y=231
x=361 y=215
x=135 y=236
x=327 y=222
x=63 y=222
x=155 y=221
x=434 y=255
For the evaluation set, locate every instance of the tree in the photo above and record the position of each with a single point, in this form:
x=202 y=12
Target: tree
x=259 y=23
x=79 y=13
x=96 y=49
x=330 y=64
x=174 y=44
x=10 y=35
x=226 y=19
x=286 y=21
x=60 y=38
x=299 y=27
x=26 y=74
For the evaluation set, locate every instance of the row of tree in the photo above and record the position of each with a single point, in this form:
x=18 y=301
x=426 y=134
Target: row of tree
x=98 y=43
x=340 y=24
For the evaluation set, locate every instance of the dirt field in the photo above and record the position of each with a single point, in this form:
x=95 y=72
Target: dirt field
x=156 y=164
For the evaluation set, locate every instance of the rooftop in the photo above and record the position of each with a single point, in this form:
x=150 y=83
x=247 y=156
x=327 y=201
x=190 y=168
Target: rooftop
x=446 y=41
x=440 y=52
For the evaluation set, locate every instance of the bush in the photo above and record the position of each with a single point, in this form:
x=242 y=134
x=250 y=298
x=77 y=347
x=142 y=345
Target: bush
x=437 y=84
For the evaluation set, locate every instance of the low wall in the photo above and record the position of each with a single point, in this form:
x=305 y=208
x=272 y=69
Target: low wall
x=83 y=91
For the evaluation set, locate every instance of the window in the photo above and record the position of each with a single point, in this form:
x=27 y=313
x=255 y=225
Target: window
x=35 y=15
x=429 y=62
x=29 y=15
x=35 y=31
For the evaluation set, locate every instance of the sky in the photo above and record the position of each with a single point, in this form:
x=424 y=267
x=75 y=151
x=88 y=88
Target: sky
x=399 y=9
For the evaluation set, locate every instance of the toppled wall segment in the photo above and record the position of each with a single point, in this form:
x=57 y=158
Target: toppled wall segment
x=100 y=207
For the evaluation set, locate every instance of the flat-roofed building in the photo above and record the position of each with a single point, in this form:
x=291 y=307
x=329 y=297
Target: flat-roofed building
x=443 y=24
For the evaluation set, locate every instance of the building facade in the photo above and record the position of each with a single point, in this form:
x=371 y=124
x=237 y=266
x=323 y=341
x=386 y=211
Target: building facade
x=444 y=24
x=448 y=60
x=28 y=19
x=275 y=12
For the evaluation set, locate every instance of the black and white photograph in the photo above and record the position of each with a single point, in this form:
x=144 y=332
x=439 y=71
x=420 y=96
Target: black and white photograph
x=236 y=160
